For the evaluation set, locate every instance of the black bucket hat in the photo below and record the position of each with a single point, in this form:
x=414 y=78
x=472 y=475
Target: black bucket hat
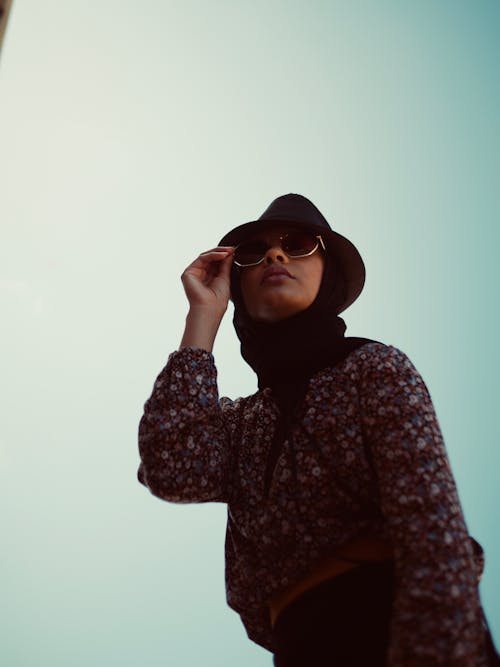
x=298 y=211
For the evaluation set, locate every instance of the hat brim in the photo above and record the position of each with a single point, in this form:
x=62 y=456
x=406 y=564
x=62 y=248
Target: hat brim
x=344 y=250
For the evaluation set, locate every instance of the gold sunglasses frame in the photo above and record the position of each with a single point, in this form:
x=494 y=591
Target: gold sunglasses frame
x=307 y=254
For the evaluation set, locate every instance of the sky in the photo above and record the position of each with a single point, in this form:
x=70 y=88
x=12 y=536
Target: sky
x=132 y=137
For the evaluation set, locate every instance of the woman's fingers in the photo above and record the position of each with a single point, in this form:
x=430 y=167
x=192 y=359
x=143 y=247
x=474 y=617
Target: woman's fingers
x=225 y=267
x=208 y=258
x=219 y=248
x=207 y=264
x=206 y=280
x=221 y=251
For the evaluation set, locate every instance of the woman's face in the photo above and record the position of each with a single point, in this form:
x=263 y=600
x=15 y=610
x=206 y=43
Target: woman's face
x=280 y=286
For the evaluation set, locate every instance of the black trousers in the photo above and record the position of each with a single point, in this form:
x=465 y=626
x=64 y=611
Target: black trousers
x=343 y=622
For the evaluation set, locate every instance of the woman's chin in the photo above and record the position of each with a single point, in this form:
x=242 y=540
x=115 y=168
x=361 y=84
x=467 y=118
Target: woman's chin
x=275 y=313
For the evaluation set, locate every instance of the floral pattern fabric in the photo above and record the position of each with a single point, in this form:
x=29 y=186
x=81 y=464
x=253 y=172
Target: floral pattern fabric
x=365 y=457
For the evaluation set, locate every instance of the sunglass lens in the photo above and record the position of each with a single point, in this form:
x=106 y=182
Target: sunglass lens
x=250 y=252
x=299 y=243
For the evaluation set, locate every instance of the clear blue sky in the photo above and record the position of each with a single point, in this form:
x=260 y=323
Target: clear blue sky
x=132 y=137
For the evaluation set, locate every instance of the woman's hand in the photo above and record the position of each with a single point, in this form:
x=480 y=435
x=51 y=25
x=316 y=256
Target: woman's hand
x=206 y=280
x=206 y=283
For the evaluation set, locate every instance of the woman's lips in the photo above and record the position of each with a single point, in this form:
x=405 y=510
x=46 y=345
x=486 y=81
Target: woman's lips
x=275 y=275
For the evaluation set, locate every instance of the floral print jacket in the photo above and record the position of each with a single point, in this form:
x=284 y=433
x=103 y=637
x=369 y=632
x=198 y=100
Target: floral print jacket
x=365 y=456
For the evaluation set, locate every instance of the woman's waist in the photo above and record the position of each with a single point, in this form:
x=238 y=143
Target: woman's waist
x=345 y=558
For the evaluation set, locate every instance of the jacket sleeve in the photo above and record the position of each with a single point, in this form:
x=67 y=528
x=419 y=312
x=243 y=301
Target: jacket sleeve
x=184 y=442
x=437 y=614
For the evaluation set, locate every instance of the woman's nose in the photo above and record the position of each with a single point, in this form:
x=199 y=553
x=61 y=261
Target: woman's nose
x=275 y=254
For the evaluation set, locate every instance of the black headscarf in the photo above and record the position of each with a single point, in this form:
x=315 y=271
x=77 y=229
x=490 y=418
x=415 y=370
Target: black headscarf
x=287 y=353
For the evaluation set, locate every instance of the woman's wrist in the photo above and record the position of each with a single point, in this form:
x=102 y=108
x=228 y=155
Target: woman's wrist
x=201 y=328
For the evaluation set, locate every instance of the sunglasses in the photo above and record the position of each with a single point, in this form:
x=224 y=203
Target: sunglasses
x=294 y=244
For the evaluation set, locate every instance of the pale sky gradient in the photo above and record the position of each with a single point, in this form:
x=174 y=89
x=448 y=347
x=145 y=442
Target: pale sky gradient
x=132 y=137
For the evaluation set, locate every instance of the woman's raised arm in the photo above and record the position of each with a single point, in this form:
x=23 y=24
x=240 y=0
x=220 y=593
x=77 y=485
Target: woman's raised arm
x=206 y=283
x=184 y=440
x=184 y=433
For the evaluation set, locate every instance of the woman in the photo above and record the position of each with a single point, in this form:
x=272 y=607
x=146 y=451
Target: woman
x=346 y=543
